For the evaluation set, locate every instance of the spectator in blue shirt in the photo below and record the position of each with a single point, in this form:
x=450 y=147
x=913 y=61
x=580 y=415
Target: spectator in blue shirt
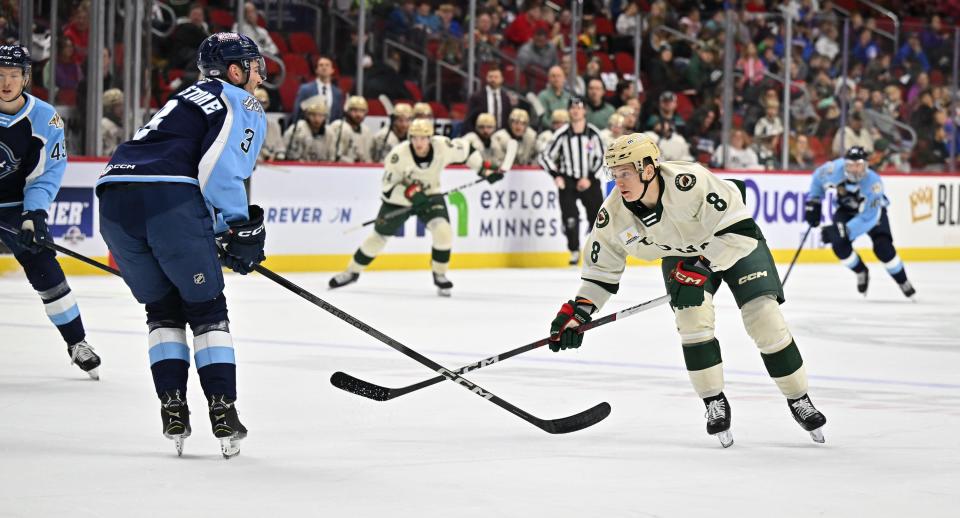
x=911 y=54
x=865 y=50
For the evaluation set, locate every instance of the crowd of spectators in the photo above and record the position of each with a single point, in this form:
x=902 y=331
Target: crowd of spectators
x=525 y=59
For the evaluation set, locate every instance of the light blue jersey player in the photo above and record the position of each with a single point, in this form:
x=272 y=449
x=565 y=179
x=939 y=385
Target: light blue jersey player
x=861 y=209
x=166 y=198
x=33 y=158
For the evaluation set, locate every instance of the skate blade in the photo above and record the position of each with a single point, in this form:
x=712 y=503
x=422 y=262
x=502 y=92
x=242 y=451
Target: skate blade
x=94 y=373
x=178 y=443
x=229 y=447
x=443 y=292
x=817 y=436
x=725 y=437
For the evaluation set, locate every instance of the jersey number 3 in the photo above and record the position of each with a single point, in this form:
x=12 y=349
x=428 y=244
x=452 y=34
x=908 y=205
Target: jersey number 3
x=247 y=140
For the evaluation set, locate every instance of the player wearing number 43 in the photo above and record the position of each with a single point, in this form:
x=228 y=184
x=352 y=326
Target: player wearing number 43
x=33 y=158
x=411 y=179
x=172 y=207
x=861 y=209
x=699 y=226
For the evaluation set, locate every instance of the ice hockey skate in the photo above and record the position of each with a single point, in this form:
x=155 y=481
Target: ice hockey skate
x=718 y=418
x=809 y=418
x=863 y=281
x=226 y=425
x=443 y=284
x=82 y=355
x=908 y=291
x=343 y=278
x=176 y=418
x=574 y=257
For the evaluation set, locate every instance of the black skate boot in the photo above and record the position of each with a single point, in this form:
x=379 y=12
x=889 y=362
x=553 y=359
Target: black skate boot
x=574 y=257
x=718 y=418
x=83 y=356
x=176 y=418
x=908 y=290
x=343 y=278
x=809 y=418
x=443 y=284
x=863 y=280
x=226 y=425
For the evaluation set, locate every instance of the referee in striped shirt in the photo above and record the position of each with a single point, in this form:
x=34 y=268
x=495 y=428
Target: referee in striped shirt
x=574 y=159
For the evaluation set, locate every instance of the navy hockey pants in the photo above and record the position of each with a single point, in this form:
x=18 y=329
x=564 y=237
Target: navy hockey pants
x=46 y=276
x=161 y=235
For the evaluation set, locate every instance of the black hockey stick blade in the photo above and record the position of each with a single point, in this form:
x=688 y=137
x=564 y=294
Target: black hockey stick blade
x=563 y=425
x=344 y=381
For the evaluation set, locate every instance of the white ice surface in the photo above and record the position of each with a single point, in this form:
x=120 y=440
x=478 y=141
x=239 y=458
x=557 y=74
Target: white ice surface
x=883 y=371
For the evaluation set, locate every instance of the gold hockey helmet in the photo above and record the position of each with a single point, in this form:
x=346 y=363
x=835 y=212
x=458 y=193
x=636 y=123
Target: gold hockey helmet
x=403 y=111
x=315 y=104
x=632 y=149
x=520 y=115
x=560 y=116
x=615 y=120
x=112 y=96
x=421 y=128
x=355 y=102
x=486 y=119
x=422 y=110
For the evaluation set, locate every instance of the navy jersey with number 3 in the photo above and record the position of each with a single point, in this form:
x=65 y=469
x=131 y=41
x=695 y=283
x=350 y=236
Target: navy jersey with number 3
x=208 y=135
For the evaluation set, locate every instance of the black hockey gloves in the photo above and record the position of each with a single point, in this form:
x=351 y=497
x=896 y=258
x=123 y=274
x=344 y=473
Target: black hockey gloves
x=812 y=212
x=242 y=245
x=490 y=172
x=33 y=230
x=419 y=202
x=686 y=283
x=563 y=329
x=835 y=233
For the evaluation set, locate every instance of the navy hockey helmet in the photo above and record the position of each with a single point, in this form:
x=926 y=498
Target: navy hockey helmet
x=855 y=165
x=223 y=49
x=15 y=56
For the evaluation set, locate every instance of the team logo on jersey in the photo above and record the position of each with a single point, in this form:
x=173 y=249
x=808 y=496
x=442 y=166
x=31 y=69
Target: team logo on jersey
x=685 y=181
x=252 y=104
x=56 y=121
x=394 y=158
x=603 y=218
x=8 y=162
x=199 y=279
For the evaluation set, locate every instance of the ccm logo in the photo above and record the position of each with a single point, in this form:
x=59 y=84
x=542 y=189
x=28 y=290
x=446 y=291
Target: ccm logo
x=686 y=279
x=454 y=377
x=250 y=233
x=752 y=276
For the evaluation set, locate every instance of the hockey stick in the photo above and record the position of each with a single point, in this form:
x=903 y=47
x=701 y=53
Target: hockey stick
x=66 y=251
x=403 y=210
x=795 y=257
x=569 y=424
x=366 y=389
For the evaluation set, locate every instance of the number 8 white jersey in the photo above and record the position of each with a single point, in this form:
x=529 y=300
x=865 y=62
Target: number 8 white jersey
x=697 y=214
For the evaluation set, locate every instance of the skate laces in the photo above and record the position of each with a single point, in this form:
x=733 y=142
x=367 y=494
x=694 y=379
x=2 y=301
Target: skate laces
x=803 y=407
x=716 y=409
x=81 y=352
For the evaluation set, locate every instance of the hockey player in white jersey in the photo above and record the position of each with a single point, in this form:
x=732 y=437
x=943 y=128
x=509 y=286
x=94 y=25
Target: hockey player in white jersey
x=558 y=119
x=411 y=179
x=481 y=138
x=699 y=225
x=309 y=139
x=519 y=133
x=392 y=134
x=350 y=139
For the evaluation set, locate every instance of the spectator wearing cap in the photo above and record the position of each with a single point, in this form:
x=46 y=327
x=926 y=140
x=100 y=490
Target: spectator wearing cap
x=555 y=95
x=490 y=99
x=249 y=27
x=911 y=55
x=322 y=86
x=112 y=124
x=308 y=140
x=854 y=134
x=667 y=110
x=274 y=146
x=524 y=26
x=672 y=144
x=538 y=53
x=598 y=111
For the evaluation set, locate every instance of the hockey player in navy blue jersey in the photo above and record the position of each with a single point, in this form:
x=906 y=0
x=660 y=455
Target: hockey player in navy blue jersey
x=33 y=157
x=167 y=198
x=861 y=209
